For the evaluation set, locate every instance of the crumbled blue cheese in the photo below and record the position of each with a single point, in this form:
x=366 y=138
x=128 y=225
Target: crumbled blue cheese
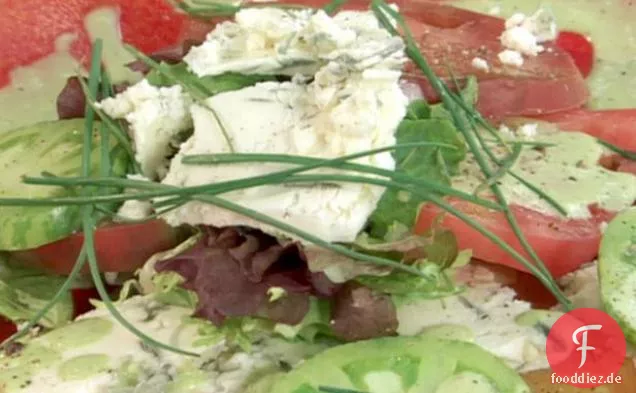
x=524 y=35
x=354 y=103
x=510 y=57
x=480 y=64
x=156 y=116
x=337 y=114
x=279 y=41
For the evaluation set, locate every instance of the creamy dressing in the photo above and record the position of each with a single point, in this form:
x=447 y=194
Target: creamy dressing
x=609 y=24
x=568 y=172
x=104 y=23
x=31 y=95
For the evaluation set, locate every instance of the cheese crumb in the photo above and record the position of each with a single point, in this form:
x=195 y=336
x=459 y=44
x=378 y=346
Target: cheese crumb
x=495 y=10
x=288 y=42
x=525 y=34
x=511 y=57
x=528 y=131
x=480 y=64
x=156 y=115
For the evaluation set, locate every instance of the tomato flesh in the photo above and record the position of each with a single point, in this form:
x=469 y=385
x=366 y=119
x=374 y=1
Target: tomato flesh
x=580 y=48
x=450 y=38
x=119 y=247
x=616 y=126
x=562 y=244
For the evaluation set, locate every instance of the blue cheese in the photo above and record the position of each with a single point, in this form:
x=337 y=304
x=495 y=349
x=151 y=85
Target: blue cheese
x=156 y=116
x=337 y=114
x=279 y=41
x=353 y=103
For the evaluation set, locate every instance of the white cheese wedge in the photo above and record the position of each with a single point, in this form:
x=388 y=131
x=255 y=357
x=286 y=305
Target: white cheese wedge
x=337 y=114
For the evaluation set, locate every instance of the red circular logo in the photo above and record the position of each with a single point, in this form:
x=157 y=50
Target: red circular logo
x=586 y=348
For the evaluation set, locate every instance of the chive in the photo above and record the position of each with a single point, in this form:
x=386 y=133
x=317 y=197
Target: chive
x=114 y=128
x=107 y=91
x=93 y=85
x=381 y=9
x=282 y=158
x=62 y=290
x=236 y=184
x=284 y=227
x=631 y=155
x=330 y=389
x=88 y=227
x=334 y=5
x=503 y=169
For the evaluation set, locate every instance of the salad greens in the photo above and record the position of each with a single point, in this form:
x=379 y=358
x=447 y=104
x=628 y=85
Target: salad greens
x=427 y=162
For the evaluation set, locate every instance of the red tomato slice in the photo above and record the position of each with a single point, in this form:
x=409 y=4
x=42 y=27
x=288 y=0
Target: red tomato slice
x=7 y=328
x=29 y=28
x=580 y=48
x=563 y=245
x=451 y=38
x=616 y=126
x=119 y=247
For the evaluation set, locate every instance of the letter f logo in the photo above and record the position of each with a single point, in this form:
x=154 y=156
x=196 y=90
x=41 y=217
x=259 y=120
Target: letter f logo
x=583 y=344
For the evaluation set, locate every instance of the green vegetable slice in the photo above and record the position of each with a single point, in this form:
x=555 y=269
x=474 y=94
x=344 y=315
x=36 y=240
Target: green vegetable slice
x=54 y=147
x=24 y=291
x=403 y=364
x=617 y=271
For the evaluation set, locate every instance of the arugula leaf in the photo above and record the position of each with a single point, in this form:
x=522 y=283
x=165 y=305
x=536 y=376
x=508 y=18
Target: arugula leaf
x=210 y=84
x=24 y=291
x=428 y=162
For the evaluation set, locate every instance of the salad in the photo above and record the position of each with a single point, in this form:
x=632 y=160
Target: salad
x=304 y=197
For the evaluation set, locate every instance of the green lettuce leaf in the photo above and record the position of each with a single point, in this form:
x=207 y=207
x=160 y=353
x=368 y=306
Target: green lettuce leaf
x=24 y=291
x=405 y=287
x=213 y=84
x=314 y=324
x=427 y=162
x=422 y=123
x=168 y=290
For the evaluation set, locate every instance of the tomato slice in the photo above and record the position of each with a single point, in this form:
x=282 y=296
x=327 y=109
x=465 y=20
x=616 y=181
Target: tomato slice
x=119 y=247
x=616 y=126
x=451 y=38
x=562 y=244
x=580 y=48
